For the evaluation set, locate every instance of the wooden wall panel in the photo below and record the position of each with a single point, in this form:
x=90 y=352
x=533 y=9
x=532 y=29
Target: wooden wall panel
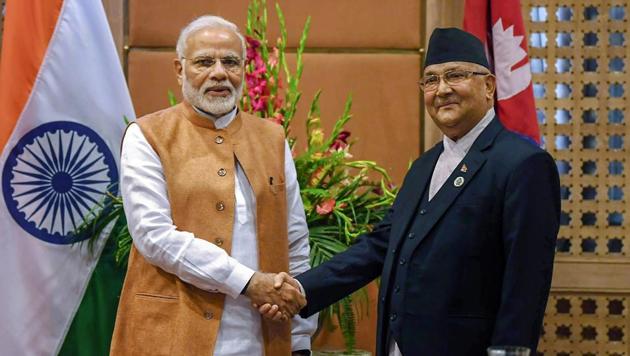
x=345 y=24
x=114 y=9
x=150 y=75
x=385 y=103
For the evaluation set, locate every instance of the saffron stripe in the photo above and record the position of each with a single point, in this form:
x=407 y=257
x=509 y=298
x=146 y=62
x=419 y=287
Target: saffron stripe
x=28 y=27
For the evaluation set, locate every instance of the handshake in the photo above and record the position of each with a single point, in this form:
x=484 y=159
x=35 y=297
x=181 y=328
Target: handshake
x=276 y=296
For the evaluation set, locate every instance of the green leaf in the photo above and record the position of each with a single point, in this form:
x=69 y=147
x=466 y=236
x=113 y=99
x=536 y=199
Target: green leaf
x=172 y=100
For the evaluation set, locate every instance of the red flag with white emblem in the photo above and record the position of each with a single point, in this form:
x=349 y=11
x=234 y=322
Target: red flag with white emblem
x=499 y=25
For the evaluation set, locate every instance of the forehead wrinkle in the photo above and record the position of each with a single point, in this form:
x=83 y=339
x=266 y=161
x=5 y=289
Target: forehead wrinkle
x=210 y=52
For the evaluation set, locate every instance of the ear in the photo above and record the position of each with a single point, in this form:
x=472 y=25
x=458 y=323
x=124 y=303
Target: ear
x=491 y=86
x=178 y=67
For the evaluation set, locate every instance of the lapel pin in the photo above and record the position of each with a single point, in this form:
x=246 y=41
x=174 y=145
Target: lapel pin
x=459 y=181
x=464 y=168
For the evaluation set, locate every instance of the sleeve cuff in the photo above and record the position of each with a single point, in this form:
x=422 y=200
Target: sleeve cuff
x=301 y=288
x=300 y=342
x=237 y=280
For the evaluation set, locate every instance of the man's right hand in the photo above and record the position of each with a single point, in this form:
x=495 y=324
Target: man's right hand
x=270 y=310
x=269 y=289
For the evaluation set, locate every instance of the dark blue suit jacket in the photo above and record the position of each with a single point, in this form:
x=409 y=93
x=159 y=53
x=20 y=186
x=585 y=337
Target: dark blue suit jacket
x=478 y=270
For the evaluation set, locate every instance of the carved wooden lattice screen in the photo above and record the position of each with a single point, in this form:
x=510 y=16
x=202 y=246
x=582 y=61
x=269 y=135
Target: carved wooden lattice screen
x=579 y=55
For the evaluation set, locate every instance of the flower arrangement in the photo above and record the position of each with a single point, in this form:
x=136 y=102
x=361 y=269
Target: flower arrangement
x=342 y=197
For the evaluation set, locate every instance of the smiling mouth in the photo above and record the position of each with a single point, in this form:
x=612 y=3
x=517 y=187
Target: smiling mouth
x=445 y=105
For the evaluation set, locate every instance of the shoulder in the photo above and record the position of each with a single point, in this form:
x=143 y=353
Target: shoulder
x=512 y=151
x=427 y=156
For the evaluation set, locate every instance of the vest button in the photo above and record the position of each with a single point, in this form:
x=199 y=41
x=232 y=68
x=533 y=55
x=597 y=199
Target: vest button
x=393 y=317
x=396 y=289
x=222 y=172
x=423 y=211
x=218 y=241
x=411 y=235
x=208 y=315
x=220 y=206
x=402 y=261
x=218 y=140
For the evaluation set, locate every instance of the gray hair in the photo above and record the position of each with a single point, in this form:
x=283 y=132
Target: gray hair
x=207 y=21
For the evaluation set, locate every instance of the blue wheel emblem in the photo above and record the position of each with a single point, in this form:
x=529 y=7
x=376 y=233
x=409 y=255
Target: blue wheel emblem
x=54 y=176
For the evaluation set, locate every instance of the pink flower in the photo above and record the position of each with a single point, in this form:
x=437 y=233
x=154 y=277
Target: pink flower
x=341 y=141
x=326 y=207
x=252 y=46
x=258 y=105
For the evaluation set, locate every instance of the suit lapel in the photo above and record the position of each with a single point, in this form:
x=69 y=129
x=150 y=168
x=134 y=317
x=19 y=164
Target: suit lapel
x=412 y=198
x=459 y=179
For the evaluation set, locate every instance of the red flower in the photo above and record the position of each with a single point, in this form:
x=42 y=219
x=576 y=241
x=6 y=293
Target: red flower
x=326 y=207
x=341 y=141
x=377 y=191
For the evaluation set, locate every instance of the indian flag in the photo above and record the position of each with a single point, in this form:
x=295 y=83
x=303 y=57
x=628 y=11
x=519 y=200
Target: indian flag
x=62 y=101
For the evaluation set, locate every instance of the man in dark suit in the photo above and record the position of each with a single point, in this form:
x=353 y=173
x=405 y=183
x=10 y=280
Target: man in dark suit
x=465 y=254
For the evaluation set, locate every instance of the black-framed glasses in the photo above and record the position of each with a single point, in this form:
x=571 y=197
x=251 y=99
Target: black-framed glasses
x=452 y=77
x=230 y=63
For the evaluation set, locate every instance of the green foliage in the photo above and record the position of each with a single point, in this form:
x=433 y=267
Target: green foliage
x=342 y=198
x=108 y=218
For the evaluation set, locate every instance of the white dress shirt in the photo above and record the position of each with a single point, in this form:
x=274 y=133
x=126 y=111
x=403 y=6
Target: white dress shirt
x=200 y=262
x=454 y=152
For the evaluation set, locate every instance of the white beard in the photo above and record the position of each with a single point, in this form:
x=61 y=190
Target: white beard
x=217 y=106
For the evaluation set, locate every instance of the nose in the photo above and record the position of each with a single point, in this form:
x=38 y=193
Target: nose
x=443 y=88
x=218 y=72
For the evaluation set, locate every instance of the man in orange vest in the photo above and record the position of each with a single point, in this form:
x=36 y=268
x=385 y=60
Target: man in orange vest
x=211 y=197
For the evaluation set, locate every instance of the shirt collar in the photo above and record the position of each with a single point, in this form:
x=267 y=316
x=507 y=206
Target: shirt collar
x=462 y=145
x=220 y=122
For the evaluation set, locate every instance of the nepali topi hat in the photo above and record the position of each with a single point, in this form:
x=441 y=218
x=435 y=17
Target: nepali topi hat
x=455 y=45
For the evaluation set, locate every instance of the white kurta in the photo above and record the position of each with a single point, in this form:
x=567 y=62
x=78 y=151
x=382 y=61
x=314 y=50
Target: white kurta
x=201 y=263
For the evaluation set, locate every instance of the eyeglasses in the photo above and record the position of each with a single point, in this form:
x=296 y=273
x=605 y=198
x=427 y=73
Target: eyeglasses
x=452 y=77
x=230 y=63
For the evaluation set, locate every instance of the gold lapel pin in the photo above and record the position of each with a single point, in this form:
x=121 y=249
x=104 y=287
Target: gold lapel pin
x=459 y=181
x=464 y=168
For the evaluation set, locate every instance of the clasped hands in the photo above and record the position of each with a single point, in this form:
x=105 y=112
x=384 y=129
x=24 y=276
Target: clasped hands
x=276 y=296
